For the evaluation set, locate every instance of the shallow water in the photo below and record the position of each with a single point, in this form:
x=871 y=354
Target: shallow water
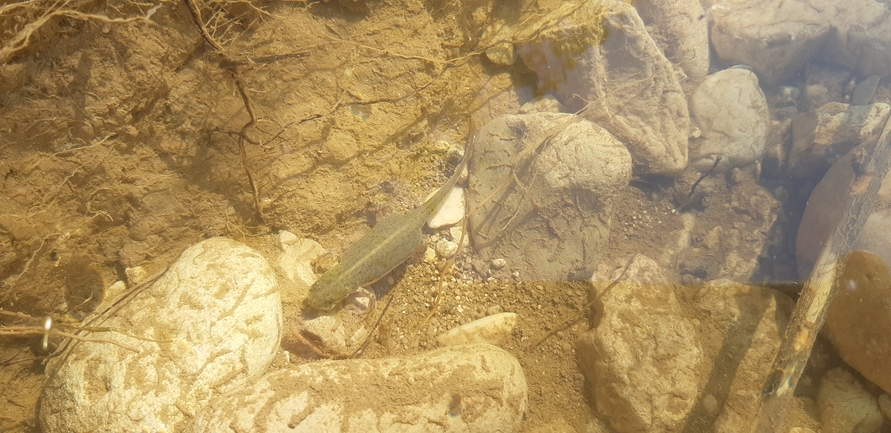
x=124 y=142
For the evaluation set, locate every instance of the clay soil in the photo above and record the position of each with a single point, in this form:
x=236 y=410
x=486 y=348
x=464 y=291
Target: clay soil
x=119 y=147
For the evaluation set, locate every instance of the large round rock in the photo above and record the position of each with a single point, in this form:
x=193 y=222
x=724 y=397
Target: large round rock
x=209 y=324
x=476 y=388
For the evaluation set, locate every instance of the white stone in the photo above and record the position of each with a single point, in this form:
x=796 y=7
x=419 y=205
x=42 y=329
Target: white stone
x=429 y=255
x=492 y=329
x=285 y=238
x=212 y=322
x=446 y=248
x=845 y=407
x=135 y=275
x=455 y=234
x=459 y=388
x=731 y=112
x=450 y=212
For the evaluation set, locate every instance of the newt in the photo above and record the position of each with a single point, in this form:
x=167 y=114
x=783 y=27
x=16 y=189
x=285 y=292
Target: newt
x=390 y=243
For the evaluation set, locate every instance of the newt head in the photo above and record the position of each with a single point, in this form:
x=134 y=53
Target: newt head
x=329 y=290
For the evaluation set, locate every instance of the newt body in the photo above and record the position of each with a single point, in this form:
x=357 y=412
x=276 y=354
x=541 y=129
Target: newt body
x=392 y=241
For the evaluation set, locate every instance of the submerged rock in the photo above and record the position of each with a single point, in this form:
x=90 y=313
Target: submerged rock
x=821 y=136
x=731 y=113
x=459 y=388
x=601 y=58
x=775 y=37
x=211 y=323
x=677 y=26
x=865 y=91
x=778 y=38
x=493 y=329
x=642 y=362
x=554 y=222
x=859 y=316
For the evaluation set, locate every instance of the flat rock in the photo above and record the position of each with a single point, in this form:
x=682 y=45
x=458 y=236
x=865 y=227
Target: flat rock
x=459 y=388
x=450 y=211
x=295 y=259
x=822 y=135
x=643 y=361
x=865 y=90
x=600 y=57
x=208 y=325
x=554 y=223
x=731 y=112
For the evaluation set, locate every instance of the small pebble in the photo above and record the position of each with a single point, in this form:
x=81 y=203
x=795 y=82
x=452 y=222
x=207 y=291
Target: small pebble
x=446 y=248
x=494 y=309
x=710 y=404
x=429 y=255
x=499 y=263
x=455 y=233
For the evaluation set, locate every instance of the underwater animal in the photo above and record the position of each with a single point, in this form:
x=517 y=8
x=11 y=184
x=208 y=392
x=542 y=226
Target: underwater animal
x=390 y=243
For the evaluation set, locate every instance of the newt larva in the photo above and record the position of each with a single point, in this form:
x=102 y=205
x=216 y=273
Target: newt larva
x=391 y=242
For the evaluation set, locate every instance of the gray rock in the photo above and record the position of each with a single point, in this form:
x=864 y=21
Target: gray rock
x=211 y=323
x=775 y=37
x=861 y=40
x=553 y=225
x=459 y=388
x=731 y=113
x=865 y=90
x=678 y=28
x=643 y=361
x=845 y=407
x=821 y=136
x=624 y=81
